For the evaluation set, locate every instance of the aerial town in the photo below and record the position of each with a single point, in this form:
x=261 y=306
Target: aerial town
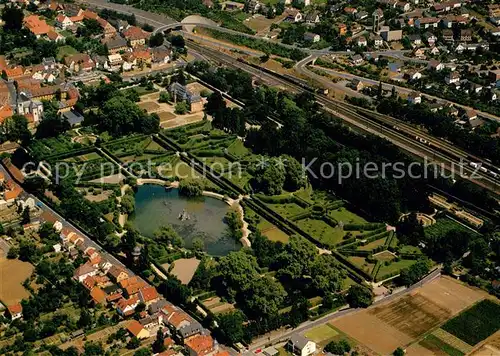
x=256 y=178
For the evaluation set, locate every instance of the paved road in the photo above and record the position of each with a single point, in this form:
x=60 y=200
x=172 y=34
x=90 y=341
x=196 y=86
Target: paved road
x=301 y=67
x=161 y=22
x=283 y=335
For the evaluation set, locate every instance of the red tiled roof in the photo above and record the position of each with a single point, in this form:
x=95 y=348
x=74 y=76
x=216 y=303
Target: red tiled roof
x=135 y=33
x=134 y=327
x=200 y=344
x=148 y=294
x=15 y=308
x=98 y=295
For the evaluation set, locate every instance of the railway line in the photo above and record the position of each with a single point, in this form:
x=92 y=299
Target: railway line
x=414 y=141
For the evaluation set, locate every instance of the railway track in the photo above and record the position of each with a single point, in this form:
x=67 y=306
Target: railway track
x=415 y=141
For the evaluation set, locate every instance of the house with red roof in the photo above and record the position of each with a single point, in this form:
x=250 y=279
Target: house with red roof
x=36 y=25
x=98 y=296
x=136 y=36
x=63 y=21
x=84 y=271
x=137 y=330
x=15 y=311
x=148 y=295
x=126 y=307
x=200 y=345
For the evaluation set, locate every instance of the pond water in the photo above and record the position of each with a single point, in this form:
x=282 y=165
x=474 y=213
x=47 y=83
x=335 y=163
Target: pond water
x=156 y=206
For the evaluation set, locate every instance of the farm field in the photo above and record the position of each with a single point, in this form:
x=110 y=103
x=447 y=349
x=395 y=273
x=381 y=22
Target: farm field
x=402 y=321
x=12 y=274
x=476 y=323
x=490 y=347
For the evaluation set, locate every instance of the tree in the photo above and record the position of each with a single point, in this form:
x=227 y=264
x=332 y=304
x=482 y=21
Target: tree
x=198 y=244
x=85 y=319
x=178 y=41
x=415 y=272
x=159 y=345
x=215 y=103
x=127 y=204
x=133 y=343
x=231 y=329
x=270 y=176
x=338 y=347
x=399 y=352
x=295 y=176
x=26 y=216
x=156 y=40
x=379 y=90
x=181 y=108
x=191 y=187
x=359 y=296
x=164 y=97
x=167 y=234
x=12 y=18
x=16 y=129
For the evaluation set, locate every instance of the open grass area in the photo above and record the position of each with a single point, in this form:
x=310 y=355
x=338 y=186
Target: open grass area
x=238 y=149
x=65 y=51
x=321 y=333
x=393 y=267
x=372 y=245
x=361 y=263
x=287 y=209
x=384 y=256
x=321 y=231
x=347 y=217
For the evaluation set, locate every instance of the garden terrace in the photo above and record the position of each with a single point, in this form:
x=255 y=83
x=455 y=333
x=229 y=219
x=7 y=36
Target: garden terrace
x=83 y=167
x=49 y=148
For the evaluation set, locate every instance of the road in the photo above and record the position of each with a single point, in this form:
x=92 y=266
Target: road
x=280 y=336
x=161 y=23
x=302 y=67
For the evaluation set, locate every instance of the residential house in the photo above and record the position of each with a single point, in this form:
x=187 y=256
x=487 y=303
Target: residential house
x=312 y=17
x=451 y=78
x=36 y=25
x=446 y=6
x=194 y=328
x=300 y=345
x=448 y=36
x=132 y=286
x=80 y=62
x=142 y=55
x=415 y=40
x=357 y=60
x=15 y=311
x=98 y=296
x=449 y=21
x=63 y=21
x=403 y=6
x=435 y=65
x=148 y=295
x=434 y=51
x=136 y=36
x=466 y=35
x=84 y=271
x=427 y=22
x=430 y=38
x=495 y=32
x=115 y=62
x=413 y=74
x=378 y=41
x=200 y=345
x=361 y=41
x=137 y=330
x=357 y=84
x=253 y=6
x=160 y=56
x=126 y=307
x=107 y=29
x=388 y=3
x=232 y=6
x=342 y=29
x=350 y=10
x=311 y=37
x=419 y=53
x=55 y=37
x=294 y=15
x=361 y=15
x=115 y=44
x=494 y=76
x=414 y=98
x=470 y=115
x=475 y=88
x=117 y=274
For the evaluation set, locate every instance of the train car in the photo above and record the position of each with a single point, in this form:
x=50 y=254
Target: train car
x=474 y=164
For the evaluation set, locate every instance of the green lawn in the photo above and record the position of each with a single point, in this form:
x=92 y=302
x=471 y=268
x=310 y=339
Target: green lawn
x=436 y=345
x=321 y=333
x=393 y=267
x=238 y=149
x=65 y=51
x=287 y=210
x=372 y=245
x=347 y=217
x=321 y=231
x=361 y=263
x=408 y=249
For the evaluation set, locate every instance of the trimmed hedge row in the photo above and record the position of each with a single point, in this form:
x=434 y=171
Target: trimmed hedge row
x=371 y=233
x=363 y=227
x=74 y=153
